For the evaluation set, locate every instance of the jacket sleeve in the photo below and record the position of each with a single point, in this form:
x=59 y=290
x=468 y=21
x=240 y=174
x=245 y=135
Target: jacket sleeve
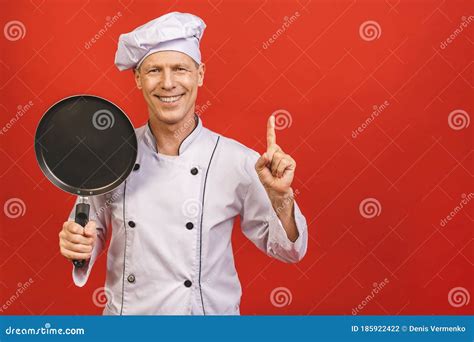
x=100 y=213
x=260 y=223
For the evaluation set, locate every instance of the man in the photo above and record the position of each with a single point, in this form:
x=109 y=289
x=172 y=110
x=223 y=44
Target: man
x=171 y=220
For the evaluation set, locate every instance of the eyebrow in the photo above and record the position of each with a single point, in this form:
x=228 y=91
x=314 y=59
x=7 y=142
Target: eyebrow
x=178 y=65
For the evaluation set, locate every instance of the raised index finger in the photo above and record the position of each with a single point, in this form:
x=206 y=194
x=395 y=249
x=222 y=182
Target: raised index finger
x=271 y=136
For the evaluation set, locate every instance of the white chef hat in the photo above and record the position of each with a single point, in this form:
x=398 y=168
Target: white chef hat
x=174 y=31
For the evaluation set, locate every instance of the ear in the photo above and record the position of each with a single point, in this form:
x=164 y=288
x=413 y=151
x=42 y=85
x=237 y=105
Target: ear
x=138 y=80
x=201 y=71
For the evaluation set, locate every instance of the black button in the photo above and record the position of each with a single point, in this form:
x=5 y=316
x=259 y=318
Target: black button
x=131 y=224
x=136 y=167
x=194 y=171
x=188 y=283
x=189 y=225
x=131 y=278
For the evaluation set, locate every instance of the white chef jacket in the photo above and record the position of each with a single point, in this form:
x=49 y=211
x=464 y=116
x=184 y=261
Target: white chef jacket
x=171 y=223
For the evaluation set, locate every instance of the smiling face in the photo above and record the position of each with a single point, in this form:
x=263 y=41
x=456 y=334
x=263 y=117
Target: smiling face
x=169 y=81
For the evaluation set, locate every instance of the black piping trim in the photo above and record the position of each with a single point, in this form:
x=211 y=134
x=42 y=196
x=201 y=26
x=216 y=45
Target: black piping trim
x=151 y=131
x=125 y=250
x=196 y=121
x=200 y=226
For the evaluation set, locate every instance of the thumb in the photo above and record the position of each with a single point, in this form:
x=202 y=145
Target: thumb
x=90 y=229
x=261 y=162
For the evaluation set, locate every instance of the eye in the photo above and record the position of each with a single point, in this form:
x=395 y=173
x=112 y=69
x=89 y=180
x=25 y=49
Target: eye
x=152 y=70
x=181 y=69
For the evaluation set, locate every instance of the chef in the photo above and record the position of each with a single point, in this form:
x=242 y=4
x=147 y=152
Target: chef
x=170 y=222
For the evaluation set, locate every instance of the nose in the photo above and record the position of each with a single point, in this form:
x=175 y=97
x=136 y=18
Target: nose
x=167 y=81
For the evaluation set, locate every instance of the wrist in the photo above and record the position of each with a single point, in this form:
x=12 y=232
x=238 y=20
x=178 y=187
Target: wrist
x=282 y=203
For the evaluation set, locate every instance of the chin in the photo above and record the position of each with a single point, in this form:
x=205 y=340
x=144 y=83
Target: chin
x=170 y=117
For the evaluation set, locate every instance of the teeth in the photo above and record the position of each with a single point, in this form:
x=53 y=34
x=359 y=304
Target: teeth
x=169 y=99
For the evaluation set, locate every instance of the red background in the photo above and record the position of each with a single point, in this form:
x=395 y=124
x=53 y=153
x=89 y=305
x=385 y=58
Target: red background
x=328 y=79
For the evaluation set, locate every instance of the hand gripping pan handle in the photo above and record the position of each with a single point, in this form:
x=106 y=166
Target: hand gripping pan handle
x=82 y=217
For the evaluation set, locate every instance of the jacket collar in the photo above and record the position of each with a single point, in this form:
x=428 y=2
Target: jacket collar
x=187 y=141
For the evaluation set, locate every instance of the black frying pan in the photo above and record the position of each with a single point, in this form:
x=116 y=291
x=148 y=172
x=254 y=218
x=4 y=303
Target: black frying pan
x=87 y=146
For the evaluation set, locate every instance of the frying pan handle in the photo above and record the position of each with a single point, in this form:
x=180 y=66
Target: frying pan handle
x=82 y=217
